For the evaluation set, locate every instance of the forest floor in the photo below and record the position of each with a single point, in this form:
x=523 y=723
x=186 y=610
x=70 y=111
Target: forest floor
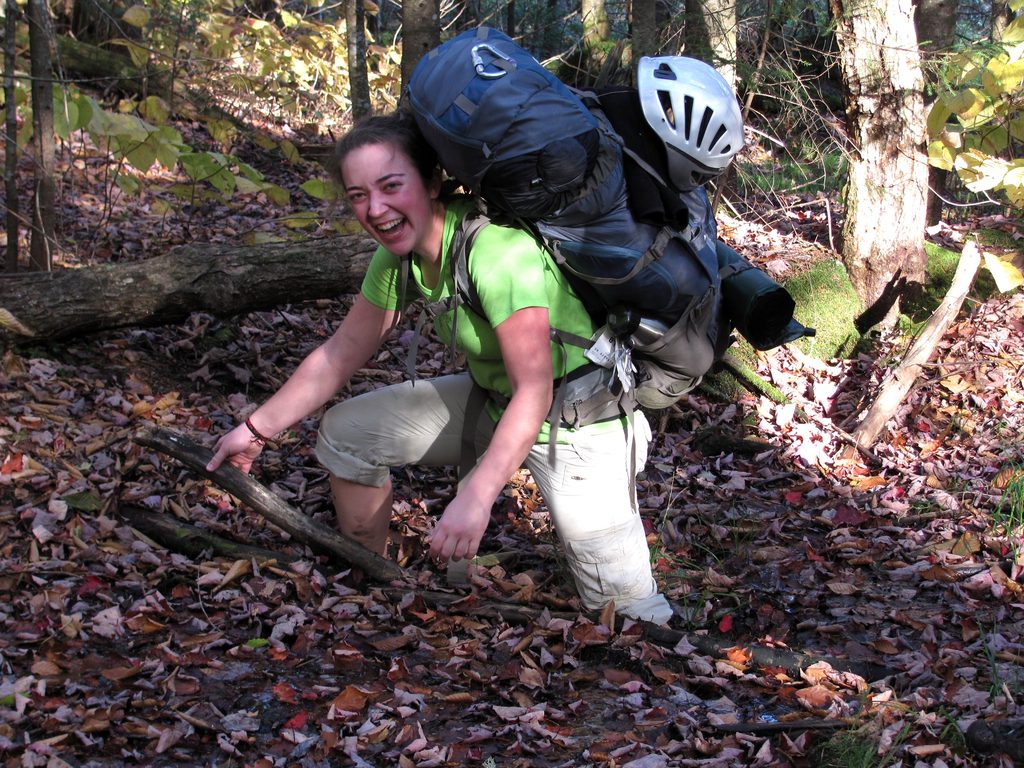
x=902 y=567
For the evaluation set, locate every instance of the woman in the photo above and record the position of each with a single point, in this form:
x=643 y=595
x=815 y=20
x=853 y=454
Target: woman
x=389 y=176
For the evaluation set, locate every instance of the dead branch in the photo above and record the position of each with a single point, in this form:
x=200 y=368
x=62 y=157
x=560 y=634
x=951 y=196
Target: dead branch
x=900 y=381
x=281 y=514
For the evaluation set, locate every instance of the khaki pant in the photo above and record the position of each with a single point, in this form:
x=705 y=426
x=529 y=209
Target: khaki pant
x=588 y=488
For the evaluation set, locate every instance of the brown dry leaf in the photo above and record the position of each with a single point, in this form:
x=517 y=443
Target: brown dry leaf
x=144 y=624
x=343 y=654
x=714 y=579
x=121 y=673
x=885 y=645
x=939 y=573
x=238 y=569
x=966 y=544
x=815 y=697
x=532 y=678
x=391 y=644
x=45 y=668
x=352 y=699
x=926 y=750
x=462 y=697
x=999 y=577
x=867 y=483
x=956 y=384
x=841 y=587
x=770 y=554
x=591 y=634
x=1007 y=477
x=740 y=656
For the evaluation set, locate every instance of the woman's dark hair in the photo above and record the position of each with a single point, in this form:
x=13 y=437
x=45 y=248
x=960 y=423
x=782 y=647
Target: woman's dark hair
x=397 y=128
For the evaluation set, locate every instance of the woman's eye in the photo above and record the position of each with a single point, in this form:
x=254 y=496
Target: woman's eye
x=356 y=197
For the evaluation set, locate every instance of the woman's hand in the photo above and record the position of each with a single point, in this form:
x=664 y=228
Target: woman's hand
x=458 y=533
x=239 y=448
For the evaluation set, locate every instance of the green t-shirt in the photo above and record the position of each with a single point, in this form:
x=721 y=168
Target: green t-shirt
x=510 y=271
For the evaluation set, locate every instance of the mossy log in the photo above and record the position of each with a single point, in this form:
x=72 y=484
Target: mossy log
x=191 y=540
x=106 y=66
x=751 y=381
x=219 y=279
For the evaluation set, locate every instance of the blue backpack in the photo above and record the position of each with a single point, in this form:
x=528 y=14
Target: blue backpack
x=504 y=126
x=548 y=158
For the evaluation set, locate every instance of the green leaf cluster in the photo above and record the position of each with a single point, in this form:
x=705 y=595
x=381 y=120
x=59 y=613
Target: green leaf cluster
x=292 y=66
x=976 y=125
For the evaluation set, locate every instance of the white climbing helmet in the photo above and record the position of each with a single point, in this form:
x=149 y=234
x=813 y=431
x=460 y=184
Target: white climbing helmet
x=694 y=111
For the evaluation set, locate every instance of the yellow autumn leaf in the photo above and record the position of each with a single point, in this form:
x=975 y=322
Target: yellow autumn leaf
x=937 y=117
x=1001 y=77
x=968 y=104
x=137 y=16
x=1006 y=271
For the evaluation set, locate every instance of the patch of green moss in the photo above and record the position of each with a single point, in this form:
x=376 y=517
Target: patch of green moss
x=826 y=301
x=942 y=264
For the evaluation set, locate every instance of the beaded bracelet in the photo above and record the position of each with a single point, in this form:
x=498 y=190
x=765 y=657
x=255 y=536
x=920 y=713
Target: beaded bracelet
x=256 y=436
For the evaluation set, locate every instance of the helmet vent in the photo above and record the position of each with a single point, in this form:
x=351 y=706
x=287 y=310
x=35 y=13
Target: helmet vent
x=665 y=98
x=687 y=115
x=718 y=135
x=705 y=121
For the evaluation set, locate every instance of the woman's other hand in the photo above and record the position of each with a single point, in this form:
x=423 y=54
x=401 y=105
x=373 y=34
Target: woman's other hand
x=239 y=447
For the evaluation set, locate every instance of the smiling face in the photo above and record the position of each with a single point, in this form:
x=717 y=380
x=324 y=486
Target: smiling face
x=392 y=201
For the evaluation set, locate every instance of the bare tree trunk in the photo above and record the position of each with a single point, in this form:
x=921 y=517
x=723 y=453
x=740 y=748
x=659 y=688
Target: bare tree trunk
x=355 y=23
x=595 y=21
x=510 y=18
x=711 y=34
x=645 y=28
x=421 y=32
x=551 y=32
x=883 y=233
x=11 y=139
x=41 y=248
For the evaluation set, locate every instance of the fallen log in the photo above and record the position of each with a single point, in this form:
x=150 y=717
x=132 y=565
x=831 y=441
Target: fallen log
x=902 y=378
x=272 y=507
x=105 y=66
x=220 y=279
x=192 y=540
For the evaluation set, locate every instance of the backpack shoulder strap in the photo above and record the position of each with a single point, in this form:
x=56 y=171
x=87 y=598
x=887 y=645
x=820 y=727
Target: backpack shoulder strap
x=462 y=244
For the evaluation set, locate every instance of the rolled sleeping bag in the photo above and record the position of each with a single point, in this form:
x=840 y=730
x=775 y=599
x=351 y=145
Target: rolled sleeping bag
x=760 y=309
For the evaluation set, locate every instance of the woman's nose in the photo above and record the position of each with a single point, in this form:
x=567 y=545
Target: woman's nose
x=377 y=204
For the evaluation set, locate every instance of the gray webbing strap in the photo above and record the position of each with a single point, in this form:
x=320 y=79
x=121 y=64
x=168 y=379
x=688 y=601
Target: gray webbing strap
x=475 y=410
